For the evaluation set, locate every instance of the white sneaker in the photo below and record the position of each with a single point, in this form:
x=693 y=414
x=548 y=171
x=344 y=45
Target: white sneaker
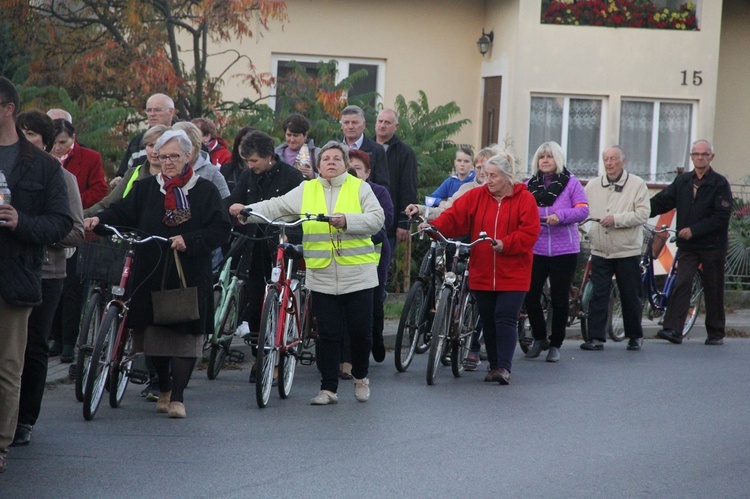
x=362 y=389
x=243 y=329
x=325 y=397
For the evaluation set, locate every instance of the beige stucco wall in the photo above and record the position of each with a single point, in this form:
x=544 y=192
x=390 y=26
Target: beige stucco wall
x=427 y=45
x=604 y=62
x=732 y=129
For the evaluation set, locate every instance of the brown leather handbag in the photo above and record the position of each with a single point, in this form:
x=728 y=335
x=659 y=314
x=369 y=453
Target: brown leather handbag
x=175 y=306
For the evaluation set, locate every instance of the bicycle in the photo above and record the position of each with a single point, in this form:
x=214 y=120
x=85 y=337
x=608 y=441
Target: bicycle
x=656 y=300
x=283 y=320
x=419 y=307
x=100 y=263
x=112 y=355
x=457 y=313
x=228 y=298
x=578 y=305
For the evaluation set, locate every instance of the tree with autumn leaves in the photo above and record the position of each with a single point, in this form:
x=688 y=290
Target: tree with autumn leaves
x=129 y=49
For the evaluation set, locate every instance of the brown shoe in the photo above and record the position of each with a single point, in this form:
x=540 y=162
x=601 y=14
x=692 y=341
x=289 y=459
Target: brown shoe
x=500 y=375
x=177 y=410
x=162 y=403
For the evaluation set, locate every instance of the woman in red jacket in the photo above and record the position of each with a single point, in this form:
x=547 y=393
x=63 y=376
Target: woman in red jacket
x=500 y=275
x=84 y=163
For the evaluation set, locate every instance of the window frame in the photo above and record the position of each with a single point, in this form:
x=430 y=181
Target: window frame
x=342 y=63
x=653 y=157
x=565 y=125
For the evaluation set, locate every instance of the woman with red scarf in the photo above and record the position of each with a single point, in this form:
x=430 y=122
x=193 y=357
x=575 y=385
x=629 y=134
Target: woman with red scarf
x=186 y=209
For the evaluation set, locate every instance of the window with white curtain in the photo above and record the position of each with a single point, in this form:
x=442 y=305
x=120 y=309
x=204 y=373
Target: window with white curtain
x=656 y=136
x=573 y=122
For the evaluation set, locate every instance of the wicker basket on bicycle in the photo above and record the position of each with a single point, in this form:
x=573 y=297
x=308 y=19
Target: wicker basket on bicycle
x=101 y=259
x=653 y=242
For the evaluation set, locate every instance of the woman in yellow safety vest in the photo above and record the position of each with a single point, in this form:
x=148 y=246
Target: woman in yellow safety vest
x=341 y=263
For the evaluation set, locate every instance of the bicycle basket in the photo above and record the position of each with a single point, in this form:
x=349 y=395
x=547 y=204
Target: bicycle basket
x=101 y=260
x=654 y=243
x=648 y=241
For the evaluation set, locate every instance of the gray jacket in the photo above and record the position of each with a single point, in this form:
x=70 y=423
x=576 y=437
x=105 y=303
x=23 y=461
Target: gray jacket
x=55 y=255
x=203 y=168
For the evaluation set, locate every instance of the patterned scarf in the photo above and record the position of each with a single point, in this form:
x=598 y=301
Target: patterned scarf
x=176 y=205
x=546 y=196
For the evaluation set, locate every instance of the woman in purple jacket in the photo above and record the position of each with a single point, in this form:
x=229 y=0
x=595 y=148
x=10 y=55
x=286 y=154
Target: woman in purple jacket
x=561 y=199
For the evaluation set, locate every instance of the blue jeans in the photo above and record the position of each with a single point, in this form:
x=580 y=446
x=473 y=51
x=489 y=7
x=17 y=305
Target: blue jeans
x=498 y=311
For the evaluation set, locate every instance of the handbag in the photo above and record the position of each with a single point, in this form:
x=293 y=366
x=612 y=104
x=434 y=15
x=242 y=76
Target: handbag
x=175 y=306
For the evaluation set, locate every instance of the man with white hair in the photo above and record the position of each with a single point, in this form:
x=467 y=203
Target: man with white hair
x=703 y=200
x=402 y=167
x=57 y=114
x=159 y=111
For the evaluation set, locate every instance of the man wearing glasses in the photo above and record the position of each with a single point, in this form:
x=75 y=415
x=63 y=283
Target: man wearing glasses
x=159 y=111
x=703 y=200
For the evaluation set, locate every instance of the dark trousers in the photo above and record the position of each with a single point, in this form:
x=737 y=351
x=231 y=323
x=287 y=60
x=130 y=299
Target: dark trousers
x=339 y=315
x=499 y=313
x=713 y=290
x=628 y=273
x=68 y=316
x=258 y=273
x=560 y=270
x=34 y=375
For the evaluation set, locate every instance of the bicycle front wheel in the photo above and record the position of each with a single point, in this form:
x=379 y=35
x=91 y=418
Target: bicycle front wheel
x=266 y=358
x=440 y=330
x=101 y=358
x=119 y=372
x=615 y=326
x=462 y=343
x=696 y=293
x=92 y=319
x=222 y=340
x=288 y=360
x=410 y=326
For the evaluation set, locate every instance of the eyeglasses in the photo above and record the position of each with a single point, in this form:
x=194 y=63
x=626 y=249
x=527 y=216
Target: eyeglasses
x=150 y=110
x=169 y=158
x=336 y=244
x=700 y=154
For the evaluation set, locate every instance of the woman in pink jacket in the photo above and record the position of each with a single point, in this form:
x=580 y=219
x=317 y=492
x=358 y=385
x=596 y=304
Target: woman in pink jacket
x=561 y=200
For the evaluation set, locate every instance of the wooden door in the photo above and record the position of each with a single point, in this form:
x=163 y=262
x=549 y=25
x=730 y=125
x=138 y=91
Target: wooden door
x=491 y=110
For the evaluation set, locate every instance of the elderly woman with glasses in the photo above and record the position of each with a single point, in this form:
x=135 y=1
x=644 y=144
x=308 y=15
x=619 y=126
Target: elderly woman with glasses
x=187 y=209
x=341 y=263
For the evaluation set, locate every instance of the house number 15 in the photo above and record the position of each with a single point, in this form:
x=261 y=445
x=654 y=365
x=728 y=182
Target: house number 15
x=697 y=78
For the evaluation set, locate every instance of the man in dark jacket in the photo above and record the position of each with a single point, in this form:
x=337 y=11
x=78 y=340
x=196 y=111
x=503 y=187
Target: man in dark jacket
x=37 y=214
x=402 y=167
x=703 y=200
x=266 y=177
x=353 y=126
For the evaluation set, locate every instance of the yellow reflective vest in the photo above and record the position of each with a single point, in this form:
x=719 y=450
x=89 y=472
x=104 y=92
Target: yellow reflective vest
x=322 y=242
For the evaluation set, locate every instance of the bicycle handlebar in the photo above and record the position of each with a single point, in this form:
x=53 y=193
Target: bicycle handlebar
x=306 y=217
x=482 y=237
x=104 y=230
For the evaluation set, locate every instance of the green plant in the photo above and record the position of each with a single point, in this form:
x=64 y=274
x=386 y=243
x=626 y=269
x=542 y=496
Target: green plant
x=101 y=124
x=428 y=132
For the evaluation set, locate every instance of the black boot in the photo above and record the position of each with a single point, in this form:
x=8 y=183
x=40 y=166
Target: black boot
x=537 y=348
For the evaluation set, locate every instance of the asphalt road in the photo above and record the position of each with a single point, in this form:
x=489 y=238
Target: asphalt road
x=668 y=421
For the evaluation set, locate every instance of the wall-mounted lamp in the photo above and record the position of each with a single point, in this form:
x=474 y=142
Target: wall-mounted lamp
x=485 y=41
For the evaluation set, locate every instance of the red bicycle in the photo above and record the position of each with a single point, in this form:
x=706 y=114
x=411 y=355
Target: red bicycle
x=286 y=327
x=112 y=354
